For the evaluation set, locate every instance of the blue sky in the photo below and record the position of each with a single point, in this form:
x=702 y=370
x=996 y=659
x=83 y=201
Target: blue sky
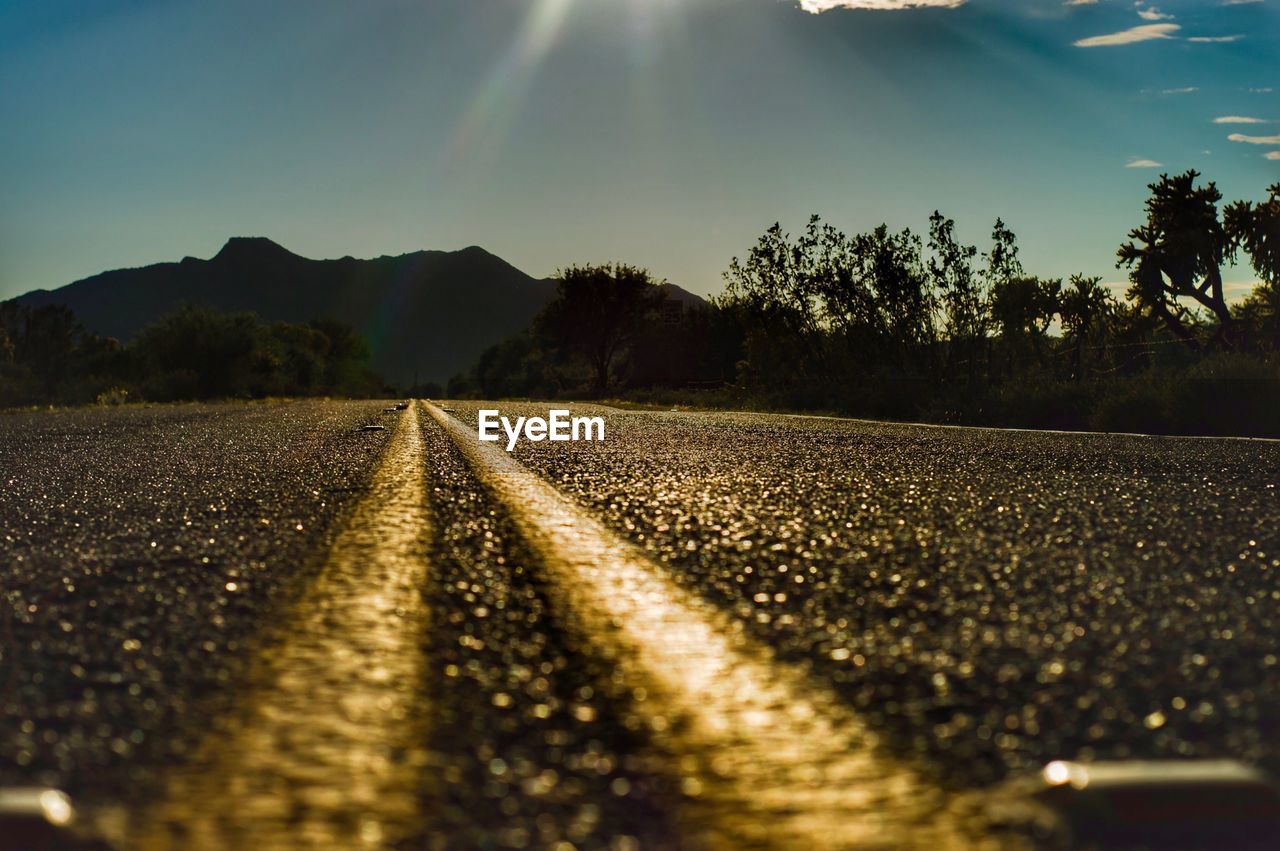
x=666 y=133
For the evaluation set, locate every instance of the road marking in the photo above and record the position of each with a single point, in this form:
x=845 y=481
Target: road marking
x=326 y=751
x=769 y=758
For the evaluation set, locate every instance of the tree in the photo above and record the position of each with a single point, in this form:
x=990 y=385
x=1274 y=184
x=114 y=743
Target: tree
x=200 y=353
x=904 y=301
x=1003 y=264
x=1259 y=317
x=597 y=313
x=887 y=301
x=48 y=339
x=1084 y=307
x=782 y=284
x=514 y=367
x=1178 y=254
x=951 y=268
x=346 y=358
x=1256 y=229
x=1023 y=308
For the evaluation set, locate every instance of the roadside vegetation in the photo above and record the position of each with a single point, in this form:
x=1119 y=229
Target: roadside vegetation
x=48 y=357
x=921 y=326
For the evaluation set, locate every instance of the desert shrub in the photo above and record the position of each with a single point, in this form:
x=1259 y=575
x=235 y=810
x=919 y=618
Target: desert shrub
x=1224 y=394
x=1042 y=403
x=47 y=357
x=18 y=386
x=112 y=396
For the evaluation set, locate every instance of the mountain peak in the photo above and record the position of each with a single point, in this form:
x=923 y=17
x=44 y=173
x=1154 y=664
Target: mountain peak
x=255 y=248
x=428 y=314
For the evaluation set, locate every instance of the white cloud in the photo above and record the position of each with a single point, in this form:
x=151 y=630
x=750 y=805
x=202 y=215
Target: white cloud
x=1146 y=32
x=1142 y=163
x=1215 y=39
x=1265 y=91
x=1081 y=2
x=1254 y=140
x=817 y=7
x=1238 y=119
x=1185 y=90
x=1272 y=155
x=1151 y=13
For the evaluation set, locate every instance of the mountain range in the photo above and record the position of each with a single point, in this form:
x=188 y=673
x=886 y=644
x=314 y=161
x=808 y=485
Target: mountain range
x=426 y=315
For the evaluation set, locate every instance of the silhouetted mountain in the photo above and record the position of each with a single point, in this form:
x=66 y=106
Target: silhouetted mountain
x=429 y=312
x=677 y=293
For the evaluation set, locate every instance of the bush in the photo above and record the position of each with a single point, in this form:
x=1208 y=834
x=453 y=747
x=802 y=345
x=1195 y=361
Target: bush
x=113 y=396
x=46 y=357
x=1224 y=394
x=1043 y=403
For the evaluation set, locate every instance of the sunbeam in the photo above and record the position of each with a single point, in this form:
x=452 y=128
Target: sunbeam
x=502 y=92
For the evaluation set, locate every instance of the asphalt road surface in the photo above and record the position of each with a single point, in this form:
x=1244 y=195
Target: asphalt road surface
x=235 y=625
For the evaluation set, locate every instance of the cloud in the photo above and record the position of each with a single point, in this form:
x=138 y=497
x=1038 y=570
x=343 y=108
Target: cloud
x=1141 y=163
x=1272 y=155
x=1081 y=3
x=1146 y=32
x=1238 y=119
x=1265 y=91
x=1185 y=90
x=1151 y=13
x=1215 y=39
x=1254 y=140
x=817 y=7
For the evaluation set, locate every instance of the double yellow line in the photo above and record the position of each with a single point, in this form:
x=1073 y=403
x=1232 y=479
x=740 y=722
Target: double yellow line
x=327 y=749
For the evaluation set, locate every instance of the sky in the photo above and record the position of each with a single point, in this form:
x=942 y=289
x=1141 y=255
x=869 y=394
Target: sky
x=664 y=133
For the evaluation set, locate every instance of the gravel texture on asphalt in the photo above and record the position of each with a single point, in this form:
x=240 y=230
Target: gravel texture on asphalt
x=141 y=550
x=533 y=741
x=986 y=600
x=991 y=600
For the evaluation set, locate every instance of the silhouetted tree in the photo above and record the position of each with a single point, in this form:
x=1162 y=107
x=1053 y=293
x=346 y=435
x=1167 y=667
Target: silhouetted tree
x=346 y=357
x=48 y=340
x=1023 y=308
x=1084 y=307
x=781 y=283
x=516 y=366
x=903 y=301
x=832 y=307
x=960 y=291
x=1003 y=268
x=598 y=311
x=702 y=347
x=1256 y=229
x=1258 y=315
x=1178 y=254
x=198 y=353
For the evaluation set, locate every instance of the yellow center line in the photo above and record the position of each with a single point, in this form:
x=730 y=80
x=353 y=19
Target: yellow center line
x=327 y=748
x=769 y=758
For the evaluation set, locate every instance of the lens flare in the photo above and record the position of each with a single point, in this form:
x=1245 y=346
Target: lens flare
x=503 y=90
